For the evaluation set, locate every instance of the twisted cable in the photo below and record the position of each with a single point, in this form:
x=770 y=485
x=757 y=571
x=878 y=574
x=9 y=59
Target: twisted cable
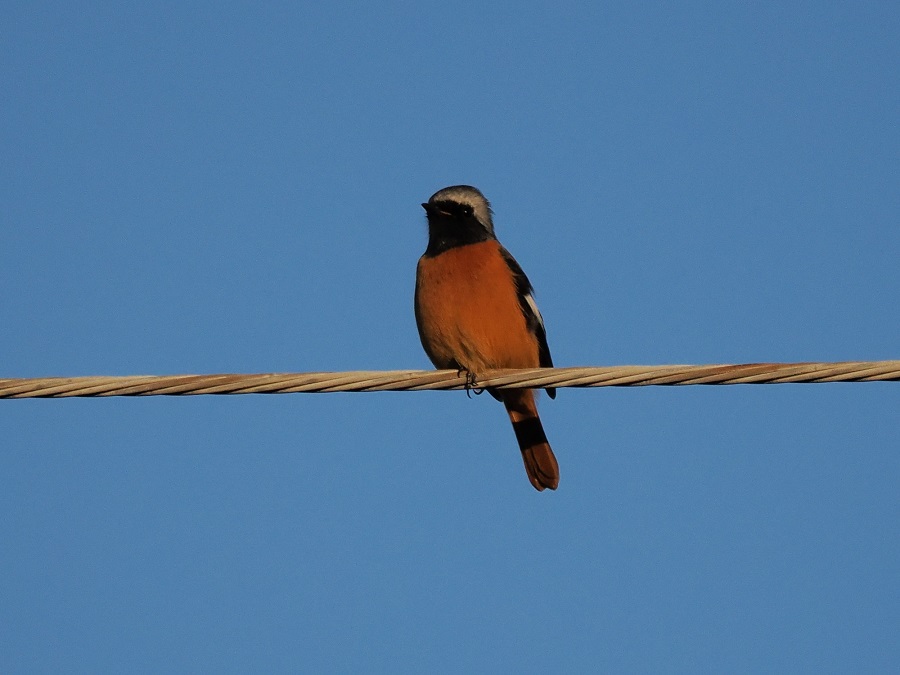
x=418 y=380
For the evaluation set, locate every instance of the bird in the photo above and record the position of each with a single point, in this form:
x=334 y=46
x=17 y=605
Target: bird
x=475 y=311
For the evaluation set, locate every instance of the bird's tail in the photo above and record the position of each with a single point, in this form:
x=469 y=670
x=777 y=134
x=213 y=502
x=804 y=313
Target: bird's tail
x=543 y=471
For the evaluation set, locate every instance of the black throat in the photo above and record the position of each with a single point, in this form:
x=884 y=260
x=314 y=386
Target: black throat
x=450 y=231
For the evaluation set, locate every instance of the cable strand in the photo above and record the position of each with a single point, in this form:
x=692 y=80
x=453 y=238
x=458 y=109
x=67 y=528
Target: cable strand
x=426 y=380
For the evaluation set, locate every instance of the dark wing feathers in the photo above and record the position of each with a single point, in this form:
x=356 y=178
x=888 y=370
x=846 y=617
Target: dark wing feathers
x=533 y=319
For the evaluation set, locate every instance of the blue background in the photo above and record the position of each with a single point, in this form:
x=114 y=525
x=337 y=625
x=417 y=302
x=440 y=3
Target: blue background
x=234 y=187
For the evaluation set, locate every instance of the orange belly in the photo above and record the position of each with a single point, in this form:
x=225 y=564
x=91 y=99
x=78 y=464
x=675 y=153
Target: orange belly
x=468 y=311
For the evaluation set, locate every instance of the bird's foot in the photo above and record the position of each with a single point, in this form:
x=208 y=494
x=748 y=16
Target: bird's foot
x=471 y=383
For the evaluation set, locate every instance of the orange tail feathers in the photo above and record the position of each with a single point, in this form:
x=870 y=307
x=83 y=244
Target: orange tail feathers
x=540 y=463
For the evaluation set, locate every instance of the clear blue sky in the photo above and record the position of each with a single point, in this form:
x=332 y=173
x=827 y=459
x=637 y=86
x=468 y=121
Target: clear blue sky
x=202 y=187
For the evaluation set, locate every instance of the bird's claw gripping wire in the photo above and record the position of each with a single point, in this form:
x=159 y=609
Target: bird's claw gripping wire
x=471 y=383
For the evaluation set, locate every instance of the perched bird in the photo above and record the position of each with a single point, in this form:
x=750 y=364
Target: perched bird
x=475 y=311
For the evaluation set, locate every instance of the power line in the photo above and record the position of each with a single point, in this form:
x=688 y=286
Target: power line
x=418 y=380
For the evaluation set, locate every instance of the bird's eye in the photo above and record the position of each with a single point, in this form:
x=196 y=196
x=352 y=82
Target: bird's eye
x=467 y=210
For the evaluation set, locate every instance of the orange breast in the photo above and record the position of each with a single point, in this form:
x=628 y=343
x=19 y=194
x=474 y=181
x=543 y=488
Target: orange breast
x=468 y=312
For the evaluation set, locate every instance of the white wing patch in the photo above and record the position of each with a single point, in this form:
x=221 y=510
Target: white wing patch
x=529 y=299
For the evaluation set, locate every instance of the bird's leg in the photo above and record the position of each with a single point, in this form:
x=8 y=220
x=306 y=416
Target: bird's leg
x=471 y=383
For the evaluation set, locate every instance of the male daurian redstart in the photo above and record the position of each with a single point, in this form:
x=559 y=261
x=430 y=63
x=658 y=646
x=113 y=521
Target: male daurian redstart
x=475 y=311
